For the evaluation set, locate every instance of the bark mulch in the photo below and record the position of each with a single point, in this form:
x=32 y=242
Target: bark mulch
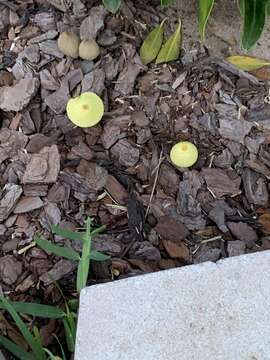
x=119 y=172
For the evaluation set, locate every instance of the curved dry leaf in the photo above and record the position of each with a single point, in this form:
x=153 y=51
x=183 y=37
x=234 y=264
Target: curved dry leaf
x=152 y=44
x=171 y=49
x=247 y=63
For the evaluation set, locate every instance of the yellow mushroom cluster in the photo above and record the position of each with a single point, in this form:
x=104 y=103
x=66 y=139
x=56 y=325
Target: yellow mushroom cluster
x=71 y=45
x=87 y=109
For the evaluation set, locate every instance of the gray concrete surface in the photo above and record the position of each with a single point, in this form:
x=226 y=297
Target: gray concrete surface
x=2 y=356
x=223 y=32
x=210 y=311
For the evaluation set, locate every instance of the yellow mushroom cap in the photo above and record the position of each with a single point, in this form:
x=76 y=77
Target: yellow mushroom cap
x=85 y=110
x=184 y=154
x=68 y=43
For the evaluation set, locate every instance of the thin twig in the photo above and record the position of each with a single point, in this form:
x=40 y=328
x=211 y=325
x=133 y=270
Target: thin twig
x=215 y=238
x=7 y=3
x=155 y=182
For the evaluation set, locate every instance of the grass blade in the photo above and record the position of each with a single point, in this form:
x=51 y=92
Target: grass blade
x=15 y=349
x=38 y=310
x=98 y=256
x=68 y=234
x=70 y=339
x=51 y=356
x=61 y=251
x=37 y=337
x=35 y=346
x=98 y=230
x=61 y=347
x=84 y=263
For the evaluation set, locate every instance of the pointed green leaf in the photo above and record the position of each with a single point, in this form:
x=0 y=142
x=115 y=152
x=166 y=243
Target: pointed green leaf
x=38 y=310
x=98 y=256
x=254 y=16
x=57 y=250
x=67 y=234
x=205 y=9
x=247 y=63
x=112 y=5
x=15 y=349
x=171 y=49
x=152 y=44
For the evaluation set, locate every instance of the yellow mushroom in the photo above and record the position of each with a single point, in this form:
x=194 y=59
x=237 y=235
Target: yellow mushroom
x=85 y=110
x=89 y=50
x=68 y=43
x=184 y=154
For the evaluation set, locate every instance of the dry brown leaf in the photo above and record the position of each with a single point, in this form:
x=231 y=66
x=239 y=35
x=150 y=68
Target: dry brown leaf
x=264 y=221
x=179 y=251
x=262 y=74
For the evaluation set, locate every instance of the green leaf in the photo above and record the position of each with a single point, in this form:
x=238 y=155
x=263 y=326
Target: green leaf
x=37 y=337
x=84 y=263
x=68 y=234
x=171 y=49
x=112 y=5
x=247 y=63
x=69 y=335
x=152 y=44
x=73 y=304
x=35 y=346
x=205 y=9
x=241 y=5
x=16 y=350
x=98 y=256
x=57 y=250
x=166 y=2
x=98 y=230
x=51 y=356
x=254 y=15
x=38 y=310
x=70 y=328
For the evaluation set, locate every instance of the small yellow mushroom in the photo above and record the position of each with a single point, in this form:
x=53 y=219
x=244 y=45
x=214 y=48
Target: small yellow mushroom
x=184 y=154
x=89 y=50
x=68 y=44
x=85 y=110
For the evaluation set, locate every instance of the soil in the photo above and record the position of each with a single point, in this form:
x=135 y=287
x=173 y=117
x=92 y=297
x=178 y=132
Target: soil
x=119 y=173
